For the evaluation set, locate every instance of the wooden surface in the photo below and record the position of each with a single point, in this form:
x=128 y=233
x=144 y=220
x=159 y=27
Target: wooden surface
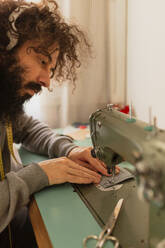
x=40 y=231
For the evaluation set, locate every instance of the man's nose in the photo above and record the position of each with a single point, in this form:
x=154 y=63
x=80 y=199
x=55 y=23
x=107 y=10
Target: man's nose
x=44 y=79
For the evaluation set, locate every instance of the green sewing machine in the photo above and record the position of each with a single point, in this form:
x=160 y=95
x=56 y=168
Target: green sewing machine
x=116 y=137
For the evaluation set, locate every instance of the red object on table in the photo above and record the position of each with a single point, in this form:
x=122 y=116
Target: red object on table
x=125 y=109
x=121 y=108
x=82 y=127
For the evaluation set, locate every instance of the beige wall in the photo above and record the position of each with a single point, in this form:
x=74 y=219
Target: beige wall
x=146 y=58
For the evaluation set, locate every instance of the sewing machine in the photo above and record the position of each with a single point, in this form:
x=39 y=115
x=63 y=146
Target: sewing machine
x=116 y=137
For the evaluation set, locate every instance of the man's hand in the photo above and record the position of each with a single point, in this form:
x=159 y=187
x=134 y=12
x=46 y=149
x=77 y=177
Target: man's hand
x=82 y=156
x=61 y=170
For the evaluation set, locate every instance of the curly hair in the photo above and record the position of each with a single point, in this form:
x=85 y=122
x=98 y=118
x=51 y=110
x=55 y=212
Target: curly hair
x=43 y=22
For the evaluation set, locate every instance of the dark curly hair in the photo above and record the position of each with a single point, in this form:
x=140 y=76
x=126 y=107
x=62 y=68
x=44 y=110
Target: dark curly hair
x=43 y=22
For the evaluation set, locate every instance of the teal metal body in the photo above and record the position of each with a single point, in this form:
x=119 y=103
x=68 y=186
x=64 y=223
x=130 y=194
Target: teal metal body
x=115 y=137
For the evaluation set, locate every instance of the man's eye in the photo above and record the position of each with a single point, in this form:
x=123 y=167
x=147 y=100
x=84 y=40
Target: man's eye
x=43 y=62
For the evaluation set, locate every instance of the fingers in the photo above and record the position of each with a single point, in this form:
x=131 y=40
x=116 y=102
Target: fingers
x=95 y=162
x=99 y=166
x=117 y=170
x=103 y=164
x=90 y=167
x=79 y=180
x=81 y=177
x=63 y=170
x=86 y=165
x=81 y=170
x=84 y=154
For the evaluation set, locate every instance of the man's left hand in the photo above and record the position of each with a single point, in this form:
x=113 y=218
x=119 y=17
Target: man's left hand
x=82 y=156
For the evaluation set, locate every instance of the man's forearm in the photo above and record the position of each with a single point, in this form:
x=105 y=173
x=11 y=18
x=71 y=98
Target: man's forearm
x=16 y=188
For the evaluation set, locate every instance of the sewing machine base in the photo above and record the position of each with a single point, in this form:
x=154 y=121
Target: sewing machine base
x=140 y=225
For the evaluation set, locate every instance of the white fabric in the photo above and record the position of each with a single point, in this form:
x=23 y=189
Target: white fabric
x=102 y=80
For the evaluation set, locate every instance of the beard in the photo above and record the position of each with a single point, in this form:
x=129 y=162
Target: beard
x=11 y=81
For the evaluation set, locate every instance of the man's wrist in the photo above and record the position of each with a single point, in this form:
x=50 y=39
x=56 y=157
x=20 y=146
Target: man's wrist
x=72 y=151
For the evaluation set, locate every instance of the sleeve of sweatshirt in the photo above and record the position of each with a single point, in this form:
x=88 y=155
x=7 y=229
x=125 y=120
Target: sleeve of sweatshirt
x=37 y=137
x=16 y=189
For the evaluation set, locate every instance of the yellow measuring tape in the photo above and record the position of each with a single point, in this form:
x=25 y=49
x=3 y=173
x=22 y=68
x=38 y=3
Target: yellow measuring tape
x=10 y=140
x=1 y=166
x=9 y=133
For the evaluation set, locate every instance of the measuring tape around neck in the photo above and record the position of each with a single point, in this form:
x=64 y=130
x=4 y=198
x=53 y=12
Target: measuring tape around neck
x=2 y=173
x=9 y=133
x=10 y=140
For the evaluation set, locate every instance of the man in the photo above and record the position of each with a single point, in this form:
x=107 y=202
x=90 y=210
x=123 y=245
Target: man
x=35 y=45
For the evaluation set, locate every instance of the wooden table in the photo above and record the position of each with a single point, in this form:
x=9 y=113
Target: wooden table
x=39 y=228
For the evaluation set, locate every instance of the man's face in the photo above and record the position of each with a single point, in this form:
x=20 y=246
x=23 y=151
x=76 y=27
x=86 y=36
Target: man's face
x=24 y=75
x=37 y=67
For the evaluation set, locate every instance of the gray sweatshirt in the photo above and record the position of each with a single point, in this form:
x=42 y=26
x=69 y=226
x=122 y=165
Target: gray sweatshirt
x=20 y=182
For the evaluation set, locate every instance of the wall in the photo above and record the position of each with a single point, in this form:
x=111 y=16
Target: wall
x=146 y=58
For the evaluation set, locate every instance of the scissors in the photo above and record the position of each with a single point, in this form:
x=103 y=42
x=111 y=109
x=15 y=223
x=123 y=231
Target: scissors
x=105 y=235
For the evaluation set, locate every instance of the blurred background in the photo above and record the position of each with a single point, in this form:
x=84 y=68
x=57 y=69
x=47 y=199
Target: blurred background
x=102 y=79
x=128 y=38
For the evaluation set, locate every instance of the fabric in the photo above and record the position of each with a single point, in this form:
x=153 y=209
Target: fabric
x=107 y=182
x=21 y=182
